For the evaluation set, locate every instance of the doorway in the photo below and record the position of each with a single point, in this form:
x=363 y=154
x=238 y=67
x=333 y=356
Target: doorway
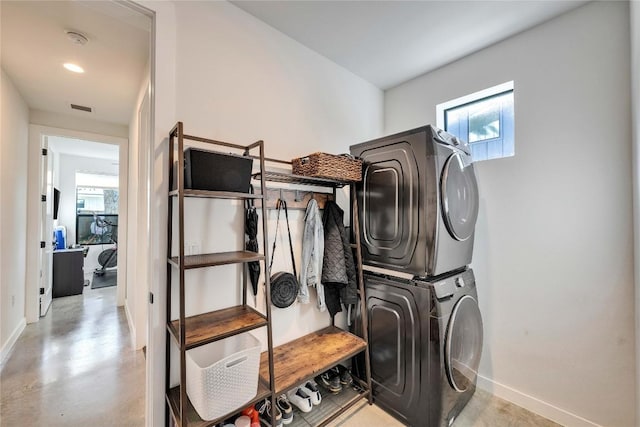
x=87 y=219
x=75 y=163
x=81 y=110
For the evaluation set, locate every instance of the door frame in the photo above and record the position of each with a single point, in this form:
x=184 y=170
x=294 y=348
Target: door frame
x=46 y=214
x=34 y=223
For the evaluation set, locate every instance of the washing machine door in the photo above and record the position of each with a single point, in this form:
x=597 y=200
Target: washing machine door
x=399 y=335
x=463 y=345
x=459 y=196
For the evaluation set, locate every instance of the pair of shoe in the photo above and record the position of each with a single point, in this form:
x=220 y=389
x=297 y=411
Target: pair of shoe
x=285 y=408
x=264 y=413
x=335 y=378
x=305 y=396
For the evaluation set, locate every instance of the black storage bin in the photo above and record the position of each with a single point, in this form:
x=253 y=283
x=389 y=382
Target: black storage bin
x=212 y=171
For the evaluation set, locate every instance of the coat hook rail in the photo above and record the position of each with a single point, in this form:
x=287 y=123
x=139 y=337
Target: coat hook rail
x=296 y=199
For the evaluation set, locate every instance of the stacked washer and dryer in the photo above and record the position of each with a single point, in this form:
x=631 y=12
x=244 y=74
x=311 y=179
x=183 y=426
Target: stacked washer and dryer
x=418 y=205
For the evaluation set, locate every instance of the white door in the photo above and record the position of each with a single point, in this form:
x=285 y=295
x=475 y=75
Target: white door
x=144 y=237
x=46 y=239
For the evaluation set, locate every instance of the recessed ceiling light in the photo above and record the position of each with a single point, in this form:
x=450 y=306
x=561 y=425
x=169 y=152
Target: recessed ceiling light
x=73 y=67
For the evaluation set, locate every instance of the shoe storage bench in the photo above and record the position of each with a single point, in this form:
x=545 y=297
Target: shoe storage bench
x=281 y=368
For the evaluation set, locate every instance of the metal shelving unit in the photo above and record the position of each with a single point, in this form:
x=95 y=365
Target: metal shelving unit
x=281 y=368
x=205 y=328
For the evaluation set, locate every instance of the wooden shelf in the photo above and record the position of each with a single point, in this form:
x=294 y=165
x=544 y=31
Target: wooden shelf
x=192 y=417
x=299 y=179
x=216 y=325
x=293 y=362
x=215 y=194
x=309 y=356
x=220 y=258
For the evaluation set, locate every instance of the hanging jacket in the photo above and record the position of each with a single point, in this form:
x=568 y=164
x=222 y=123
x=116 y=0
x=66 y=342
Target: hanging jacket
x=338 y=269
x=312 y=255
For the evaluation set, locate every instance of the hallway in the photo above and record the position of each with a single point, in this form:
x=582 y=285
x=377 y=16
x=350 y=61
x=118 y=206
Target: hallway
x=75 y=367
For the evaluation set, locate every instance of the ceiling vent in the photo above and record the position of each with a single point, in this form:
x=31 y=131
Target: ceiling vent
x=81 y=108
x=77 y=37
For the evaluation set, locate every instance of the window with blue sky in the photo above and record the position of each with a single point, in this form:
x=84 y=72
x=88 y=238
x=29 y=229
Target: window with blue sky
x=483 y=119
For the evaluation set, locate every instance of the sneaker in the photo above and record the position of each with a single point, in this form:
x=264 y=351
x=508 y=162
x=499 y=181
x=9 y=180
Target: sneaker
x=253 y=415
x=285 y=408
x=264 y=410
x=345 y=375
x=330 y=380
x=298 y=397
x=311 y=389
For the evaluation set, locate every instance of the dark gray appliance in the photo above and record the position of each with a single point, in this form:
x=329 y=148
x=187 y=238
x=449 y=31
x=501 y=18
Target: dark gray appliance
x=418 y=202
x=425 y=342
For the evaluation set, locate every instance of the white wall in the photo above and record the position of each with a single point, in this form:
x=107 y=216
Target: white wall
x=163 y=99
x=553 y=254
x=635 y=120
x=238 y=79
x=252 y=83
x=14 y=134
x=67 y=169
x=65 y=121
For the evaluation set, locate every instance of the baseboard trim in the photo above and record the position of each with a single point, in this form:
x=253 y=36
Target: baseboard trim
x=534 y=404
x=132 y=329
x=7 y=348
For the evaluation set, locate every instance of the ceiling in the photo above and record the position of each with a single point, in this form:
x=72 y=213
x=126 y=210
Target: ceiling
x=34 y=46
x=390 y=42
x=384 y=42
x=82 y=148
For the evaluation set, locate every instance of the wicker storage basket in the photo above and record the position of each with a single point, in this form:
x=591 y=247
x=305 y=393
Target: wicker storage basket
x=323 y=165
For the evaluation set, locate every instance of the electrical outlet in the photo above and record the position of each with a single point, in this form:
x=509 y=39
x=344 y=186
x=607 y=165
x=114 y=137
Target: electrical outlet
x=13 y=300
x=194 y=248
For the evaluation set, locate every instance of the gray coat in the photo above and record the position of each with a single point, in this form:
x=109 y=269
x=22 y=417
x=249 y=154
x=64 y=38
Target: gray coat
x=338 y=268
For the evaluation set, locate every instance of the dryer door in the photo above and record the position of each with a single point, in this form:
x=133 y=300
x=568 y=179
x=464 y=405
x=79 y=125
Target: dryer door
x=390 y=204
x=463 y=345
x=459 y=196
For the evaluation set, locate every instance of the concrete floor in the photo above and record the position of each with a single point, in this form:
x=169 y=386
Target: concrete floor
x=76 y=367
x=483 y=410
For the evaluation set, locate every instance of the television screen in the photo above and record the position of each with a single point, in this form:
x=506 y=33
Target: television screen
x=96 y=229
x=56 y=202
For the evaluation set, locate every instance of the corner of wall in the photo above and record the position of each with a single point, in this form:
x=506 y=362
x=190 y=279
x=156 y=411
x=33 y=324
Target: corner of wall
x=7 y=346
x=535 y=405
x=635 y=145
x=130 y=322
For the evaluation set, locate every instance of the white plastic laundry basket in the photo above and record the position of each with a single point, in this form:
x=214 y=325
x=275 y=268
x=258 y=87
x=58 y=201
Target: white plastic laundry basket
x=222 y=376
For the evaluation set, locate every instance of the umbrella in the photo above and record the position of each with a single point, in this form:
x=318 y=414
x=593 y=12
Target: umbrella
x=251 y=230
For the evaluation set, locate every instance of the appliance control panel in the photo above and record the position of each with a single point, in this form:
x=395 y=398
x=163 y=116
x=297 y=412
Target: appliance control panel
x=444 y=288
x=447 y=287
x=442 y=137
